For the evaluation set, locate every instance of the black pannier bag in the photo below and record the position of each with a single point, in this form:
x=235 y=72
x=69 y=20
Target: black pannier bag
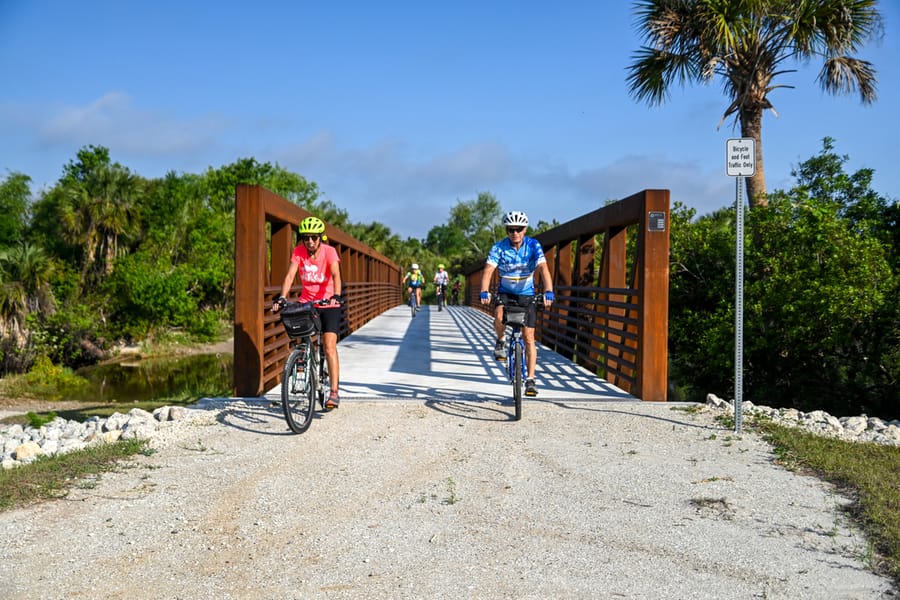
x=514 y=315
x=300 y=319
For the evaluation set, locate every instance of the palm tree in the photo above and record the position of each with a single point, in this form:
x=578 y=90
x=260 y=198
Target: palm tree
x=98 y=210
x=25 y=272
x=746 y=42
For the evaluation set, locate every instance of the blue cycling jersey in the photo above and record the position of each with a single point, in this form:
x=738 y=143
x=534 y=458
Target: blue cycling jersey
x=516 y=267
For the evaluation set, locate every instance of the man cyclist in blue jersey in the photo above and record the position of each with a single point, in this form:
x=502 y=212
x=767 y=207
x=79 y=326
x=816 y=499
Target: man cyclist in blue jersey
x=516 y=259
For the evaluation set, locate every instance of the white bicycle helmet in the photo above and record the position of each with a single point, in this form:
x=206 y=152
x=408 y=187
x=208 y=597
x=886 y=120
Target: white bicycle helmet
x=415 y=266
x=515 y=218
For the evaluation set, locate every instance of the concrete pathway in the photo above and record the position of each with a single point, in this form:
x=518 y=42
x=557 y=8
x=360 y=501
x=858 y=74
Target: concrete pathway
x=448 y=356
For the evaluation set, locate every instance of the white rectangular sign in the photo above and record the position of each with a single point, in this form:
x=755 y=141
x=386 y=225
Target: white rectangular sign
x=740 y=157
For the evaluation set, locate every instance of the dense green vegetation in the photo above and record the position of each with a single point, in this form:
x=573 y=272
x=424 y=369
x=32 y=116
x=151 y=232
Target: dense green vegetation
x=106 y=256
x=822 y=323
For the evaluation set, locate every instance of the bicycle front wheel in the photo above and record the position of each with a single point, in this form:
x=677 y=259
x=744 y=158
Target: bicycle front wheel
x=298 y=389
x=324 y=378
x=412 y=305
x=518 y=366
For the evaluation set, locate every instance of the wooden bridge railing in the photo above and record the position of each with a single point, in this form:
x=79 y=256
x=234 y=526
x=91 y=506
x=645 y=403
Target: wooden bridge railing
x=612 y=297
x=265 y=227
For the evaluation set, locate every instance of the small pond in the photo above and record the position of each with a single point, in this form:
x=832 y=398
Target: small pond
x=179 y=378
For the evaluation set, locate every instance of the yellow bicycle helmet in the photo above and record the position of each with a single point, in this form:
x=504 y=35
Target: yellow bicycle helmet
x=311 y=226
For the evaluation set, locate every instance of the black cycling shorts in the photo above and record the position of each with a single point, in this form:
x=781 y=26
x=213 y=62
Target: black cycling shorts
x=330 y=319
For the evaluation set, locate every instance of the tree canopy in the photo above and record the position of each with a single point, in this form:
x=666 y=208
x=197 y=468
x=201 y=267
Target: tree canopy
x=747 y=43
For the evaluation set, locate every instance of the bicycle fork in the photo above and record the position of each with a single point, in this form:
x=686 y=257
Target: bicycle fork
x=515 y=340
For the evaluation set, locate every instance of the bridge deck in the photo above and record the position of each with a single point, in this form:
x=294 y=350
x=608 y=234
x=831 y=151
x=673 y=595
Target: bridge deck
x=447 y=356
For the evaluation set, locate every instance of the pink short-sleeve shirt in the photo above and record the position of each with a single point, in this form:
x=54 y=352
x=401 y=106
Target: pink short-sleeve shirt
x=315 y=272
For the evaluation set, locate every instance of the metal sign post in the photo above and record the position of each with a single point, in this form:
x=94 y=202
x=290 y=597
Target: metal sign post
x=740 y=160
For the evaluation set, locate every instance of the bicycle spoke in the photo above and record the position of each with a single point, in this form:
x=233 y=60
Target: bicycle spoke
x=298 y=389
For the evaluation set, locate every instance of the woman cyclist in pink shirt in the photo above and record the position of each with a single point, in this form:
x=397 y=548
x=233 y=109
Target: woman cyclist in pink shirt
x=319 y=267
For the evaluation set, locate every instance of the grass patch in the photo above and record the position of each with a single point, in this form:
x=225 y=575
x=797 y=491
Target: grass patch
x=39 y=420
x=51 y=477
x=868 y=473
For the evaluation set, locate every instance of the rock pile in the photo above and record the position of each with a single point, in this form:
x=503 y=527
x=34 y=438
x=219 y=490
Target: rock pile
x=854 y=429
x=23 y=444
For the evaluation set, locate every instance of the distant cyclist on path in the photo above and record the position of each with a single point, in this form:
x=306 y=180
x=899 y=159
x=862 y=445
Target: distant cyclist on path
x=441 y=279
x=516 y=259
x=415 y=281
x=320 y=273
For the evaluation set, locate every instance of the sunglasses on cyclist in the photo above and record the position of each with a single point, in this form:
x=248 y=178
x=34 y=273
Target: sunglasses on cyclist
x=307 y=238
x=515 y=229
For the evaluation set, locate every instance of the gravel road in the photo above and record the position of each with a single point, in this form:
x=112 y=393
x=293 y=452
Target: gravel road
x=404 y=499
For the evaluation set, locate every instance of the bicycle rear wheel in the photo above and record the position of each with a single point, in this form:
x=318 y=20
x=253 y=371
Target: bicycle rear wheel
x=518 y=366
x=298 y=389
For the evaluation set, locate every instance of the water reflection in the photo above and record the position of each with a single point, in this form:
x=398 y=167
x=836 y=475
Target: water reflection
x=176 y=378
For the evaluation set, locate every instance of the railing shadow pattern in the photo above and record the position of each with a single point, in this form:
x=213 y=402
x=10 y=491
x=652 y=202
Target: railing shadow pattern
x=448 y=357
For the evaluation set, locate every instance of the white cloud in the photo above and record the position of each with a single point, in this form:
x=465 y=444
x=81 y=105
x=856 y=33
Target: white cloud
x=113 y=121
x=385 y=182
x=388 y=180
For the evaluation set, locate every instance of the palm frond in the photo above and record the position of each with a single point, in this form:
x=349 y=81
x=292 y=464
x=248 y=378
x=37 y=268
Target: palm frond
x=844 y=75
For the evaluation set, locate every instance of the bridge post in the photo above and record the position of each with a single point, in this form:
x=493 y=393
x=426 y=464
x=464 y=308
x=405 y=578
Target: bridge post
x=250 y=278
x=653 y=332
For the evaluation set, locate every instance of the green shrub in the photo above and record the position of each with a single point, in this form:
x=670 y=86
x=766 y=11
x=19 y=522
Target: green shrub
x=45 y=381
x=821 y=320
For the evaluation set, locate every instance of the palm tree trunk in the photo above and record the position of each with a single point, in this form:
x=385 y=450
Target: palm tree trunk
x=751 y=127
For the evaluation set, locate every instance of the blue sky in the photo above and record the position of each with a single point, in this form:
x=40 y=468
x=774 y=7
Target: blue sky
x=399 y=110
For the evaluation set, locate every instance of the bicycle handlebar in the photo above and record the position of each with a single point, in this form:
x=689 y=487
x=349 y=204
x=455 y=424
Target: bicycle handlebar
x=537 y=300
x=281 y=302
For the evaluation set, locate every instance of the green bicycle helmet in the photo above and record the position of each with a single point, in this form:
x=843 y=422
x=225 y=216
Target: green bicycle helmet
x=311 y=225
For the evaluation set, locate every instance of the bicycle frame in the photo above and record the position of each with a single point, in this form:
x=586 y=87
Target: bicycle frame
x=413 y=300
x=515 y=339
x=305 y=379
x=516 y=361
x=440 y=293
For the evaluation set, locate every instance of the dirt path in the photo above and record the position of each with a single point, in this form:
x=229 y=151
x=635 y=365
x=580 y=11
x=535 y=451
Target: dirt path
x=444 y=500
